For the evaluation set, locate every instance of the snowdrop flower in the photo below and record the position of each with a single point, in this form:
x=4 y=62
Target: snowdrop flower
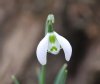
x=52 y=43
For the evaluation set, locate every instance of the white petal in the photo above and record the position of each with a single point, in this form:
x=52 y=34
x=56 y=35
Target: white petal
x=42 y=50
x=65 y=45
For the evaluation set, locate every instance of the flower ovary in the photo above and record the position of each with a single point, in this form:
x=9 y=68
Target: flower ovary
x=52 y=39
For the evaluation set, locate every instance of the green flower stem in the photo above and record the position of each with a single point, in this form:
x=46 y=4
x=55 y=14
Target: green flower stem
x=49 y=24
x=15 y=80
x=62 y=75
x=42 y=76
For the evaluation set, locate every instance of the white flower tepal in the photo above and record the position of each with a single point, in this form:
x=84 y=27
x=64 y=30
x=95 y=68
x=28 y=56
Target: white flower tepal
x=52 y=43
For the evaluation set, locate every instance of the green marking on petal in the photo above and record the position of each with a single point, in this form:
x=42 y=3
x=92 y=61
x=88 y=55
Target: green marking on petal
x=52 y=39
x=53 y=48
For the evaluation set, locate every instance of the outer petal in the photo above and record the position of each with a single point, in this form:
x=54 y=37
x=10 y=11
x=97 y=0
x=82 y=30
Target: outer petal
x=65 y=45
x=42 y=50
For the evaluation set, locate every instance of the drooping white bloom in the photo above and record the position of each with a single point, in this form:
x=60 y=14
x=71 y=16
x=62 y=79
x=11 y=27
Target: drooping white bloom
x=52 y=43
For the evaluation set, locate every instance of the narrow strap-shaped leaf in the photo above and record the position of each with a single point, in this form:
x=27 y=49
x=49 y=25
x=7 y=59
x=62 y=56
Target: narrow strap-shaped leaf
x=15 y=80
x=61 y=77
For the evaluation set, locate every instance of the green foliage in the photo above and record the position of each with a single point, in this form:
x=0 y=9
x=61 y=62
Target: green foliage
x=62 y=75
x=15 y=80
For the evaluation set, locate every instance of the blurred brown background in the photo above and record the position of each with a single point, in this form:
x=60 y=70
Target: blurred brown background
x=22 y=27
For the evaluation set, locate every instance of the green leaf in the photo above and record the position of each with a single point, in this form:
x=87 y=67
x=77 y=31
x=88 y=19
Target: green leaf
x=62 y=75
x=15 y=80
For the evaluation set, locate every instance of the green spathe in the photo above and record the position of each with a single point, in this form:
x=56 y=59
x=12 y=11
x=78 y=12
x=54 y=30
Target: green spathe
x=49 y=24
